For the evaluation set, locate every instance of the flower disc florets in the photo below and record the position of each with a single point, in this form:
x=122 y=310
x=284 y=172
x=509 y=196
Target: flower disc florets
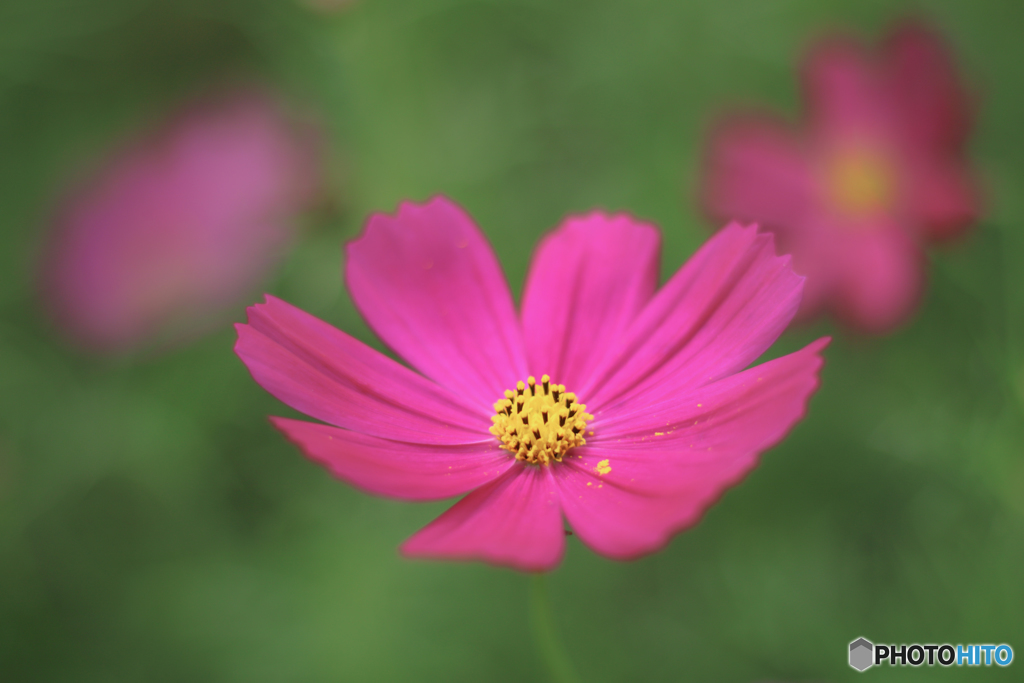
x=540 y=423
x=862 y=182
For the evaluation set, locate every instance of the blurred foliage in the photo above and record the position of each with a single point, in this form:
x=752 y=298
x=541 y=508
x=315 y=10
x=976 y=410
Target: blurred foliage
x=153 y=527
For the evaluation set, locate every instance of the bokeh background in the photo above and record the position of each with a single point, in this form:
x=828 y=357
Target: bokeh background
x=153 y=527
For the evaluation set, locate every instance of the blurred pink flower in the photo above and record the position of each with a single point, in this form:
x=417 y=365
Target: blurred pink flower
x=876 y=173
x=179 y=225
x=656 y=416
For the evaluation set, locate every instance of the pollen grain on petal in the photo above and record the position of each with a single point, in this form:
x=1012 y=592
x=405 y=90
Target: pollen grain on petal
x=540 y=422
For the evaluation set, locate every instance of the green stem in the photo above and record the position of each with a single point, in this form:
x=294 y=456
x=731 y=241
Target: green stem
x=558 y=664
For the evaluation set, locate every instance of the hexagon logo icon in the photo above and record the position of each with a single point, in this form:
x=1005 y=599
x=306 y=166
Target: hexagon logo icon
x=861 y=651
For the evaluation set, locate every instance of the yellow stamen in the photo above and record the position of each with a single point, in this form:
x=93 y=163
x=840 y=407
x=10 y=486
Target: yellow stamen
x=540 y=423
x=861 y=181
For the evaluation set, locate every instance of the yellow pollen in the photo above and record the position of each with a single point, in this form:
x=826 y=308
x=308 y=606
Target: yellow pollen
x=861 y=182
x=540 y=422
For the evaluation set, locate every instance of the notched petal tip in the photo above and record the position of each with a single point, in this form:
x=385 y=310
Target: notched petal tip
x=239 y=331
x=430 y=286
x=630 y=493
x=766 y=239
x=588 y=280
x=407 y=209
x=404 y=211
x=608 y=218
x=255 y=310
x=737 y=225
x=785 y=259
x=759 y=237
x=716 y=315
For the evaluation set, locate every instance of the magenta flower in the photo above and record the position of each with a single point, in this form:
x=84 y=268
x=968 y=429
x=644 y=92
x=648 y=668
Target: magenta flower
x=877 y=172
x=651 y=418
x=178 y=225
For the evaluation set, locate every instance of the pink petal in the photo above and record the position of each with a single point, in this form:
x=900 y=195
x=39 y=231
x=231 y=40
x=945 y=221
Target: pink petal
x=927 y=94
x=750 y=410
x=587 y=282
x=883 y=275
x=618 y=523
x=396 y=469
x=513 y=521
x=321 y=371
x=647 y=474
x=943 y=198
x=844 y=96
x=721 y=311
x=430 y=286
x=757 y=170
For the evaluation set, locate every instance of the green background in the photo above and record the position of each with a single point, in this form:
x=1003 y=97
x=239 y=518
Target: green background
x=153 y=527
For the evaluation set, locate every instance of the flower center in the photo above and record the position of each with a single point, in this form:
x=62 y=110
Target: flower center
x=861 y=182
x=539 y=423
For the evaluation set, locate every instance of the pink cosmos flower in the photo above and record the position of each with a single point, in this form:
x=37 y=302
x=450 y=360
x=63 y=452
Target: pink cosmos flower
x=178 y=225
x=877 y=172
x=651 y=418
